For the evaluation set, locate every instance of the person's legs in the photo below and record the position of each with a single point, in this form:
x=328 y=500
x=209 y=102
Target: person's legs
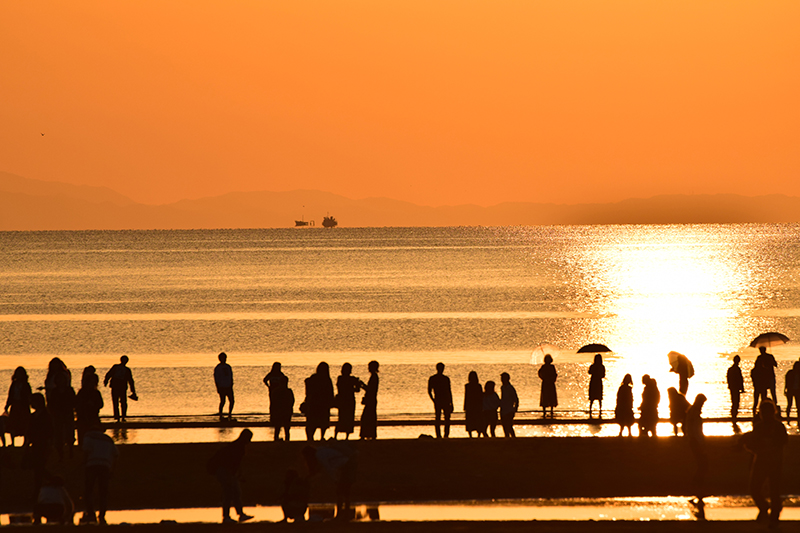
x=446 y=423
x=115 y=402
x=438 y=421
x=88 y=494
x=123 y=404
x=230 y=402
x=776 y=502
x=221 y=401
x=735 y=398
x=757 y=480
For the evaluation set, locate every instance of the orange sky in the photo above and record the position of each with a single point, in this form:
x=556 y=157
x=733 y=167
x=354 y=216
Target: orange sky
x=435 y=102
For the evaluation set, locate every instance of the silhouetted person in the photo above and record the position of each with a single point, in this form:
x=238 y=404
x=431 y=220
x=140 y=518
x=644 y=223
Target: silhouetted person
x=678 y=407
x=223 y=379
x=60 y=398
x=770 y=364
x=120 y=377
x=509 y=403
x=548 y=396
x=766 y=442
x=281 y=400
x=491 y=403
x=347 y=386
x=473 y=404
x=318 y=402
x=369 y=416
x=597 y=371
x=441 y=395
x=40 y=439
x=88 y=402
x=340 y=462
x=225 y=466
x=53 y=503
x=791 y=388
x=623 y=412
x=684 y=371
x=693 y=430
x=735 y=386
x=651 y=397
x=294 y=500
x=18 y=404
x=101 y=454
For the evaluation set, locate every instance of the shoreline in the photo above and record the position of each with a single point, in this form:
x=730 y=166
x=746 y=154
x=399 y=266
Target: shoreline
x=159 y=476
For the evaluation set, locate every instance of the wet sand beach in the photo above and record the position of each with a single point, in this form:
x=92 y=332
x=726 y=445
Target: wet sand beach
x=160 y=476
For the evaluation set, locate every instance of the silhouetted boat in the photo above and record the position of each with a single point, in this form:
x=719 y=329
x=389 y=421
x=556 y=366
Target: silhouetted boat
x=329 y=222
x=299 y=223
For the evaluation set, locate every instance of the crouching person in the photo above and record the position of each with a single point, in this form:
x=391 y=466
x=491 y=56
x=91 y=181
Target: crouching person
x=100 y=453
x=53 y=503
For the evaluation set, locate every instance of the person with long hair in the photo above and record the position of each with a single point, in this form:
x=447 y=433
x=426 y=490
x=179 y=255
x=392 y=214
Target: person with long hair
x=597 y=371
x=623 y=412
x=60 y=398
x=347 y=385
x=548 y=396
x=473 y=404
x=318 y=401
x=18 y=404
x=88 y=402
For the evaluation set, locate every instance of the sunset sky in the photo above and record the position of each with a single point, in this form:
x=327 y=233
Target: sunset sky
x=431 y=101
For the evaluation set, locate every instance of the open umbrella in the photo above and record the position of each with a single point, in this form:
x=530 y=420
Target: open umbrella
x=594 y=348
x=772 y=338
x=675 y=359
x=537 y=357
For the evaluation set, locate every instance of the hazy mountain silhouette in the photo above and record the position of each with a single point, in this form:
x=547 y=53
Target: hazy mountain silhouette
x=39 y=205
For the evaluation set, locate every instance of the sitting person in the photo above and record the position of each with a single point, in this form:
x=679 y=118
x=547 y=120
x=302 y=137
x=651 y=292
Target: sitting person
x=294 y=501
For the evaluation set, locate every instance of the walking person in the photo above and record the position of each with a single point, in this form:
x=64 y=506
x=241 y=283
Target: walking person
x=766 y=442
x=791 y=389
x=509 y=403
x=597 y=371
x=623 y=412
x=441 y=395
x=101 y=454
x=735 y=386
x=491 y=403
x=651 y=397
x=347 y=386
x=120 y=377
x=318 y=401
x=88 y=403
x=473 y=404
x=369 y=416
x=225 y=465
x=548 y=396
x=223 y=380
x=18 y=404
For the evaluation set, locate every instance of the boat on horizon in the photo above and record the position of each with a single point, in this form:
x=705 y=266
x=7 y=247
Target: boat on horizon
x=329 y=222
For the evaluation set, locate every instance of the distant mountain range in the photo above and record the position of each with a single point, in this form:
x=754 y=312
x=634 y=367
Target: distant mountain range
x=27 y=204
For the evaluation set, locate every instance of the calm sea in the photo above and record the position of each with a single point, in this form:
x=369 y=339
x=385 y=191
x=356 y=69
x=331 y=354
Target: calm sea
x=474 y=298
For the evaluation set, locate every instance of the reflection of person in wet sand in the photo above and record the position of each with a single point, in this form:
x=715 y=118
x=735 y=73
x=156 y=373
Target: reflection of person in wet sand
x=598 y=373
x=548 y=396
x=624 y=409
x=369 y=416
x=223 y=379
x=693 y=430
x=766 y=442
x=120 y=377
x=651 y=397
x=473 y=404
x=318 y=402
x=441 y=395
x=347 y=386
x=735 y=386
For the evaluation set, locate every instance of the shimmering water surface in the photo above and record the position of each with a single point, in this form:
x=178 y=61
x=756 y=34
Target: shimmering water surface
x=474 y=298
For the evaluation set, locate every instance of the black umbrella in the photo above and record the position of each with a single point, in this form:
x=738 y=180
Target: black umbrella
x=772 y=338
x=594 y=348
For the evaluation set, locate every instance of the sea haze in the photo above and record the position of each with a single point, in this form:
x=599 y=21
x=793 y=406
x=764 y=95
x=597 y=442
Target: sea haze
x=475 y=298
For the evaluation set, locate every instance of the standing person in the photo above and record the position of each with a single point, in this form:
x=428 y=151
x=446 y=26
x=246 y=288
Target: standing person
x=769 y=364
x=369 y=416
x=39 y=441
x=735 y=386
x=651 y=397
x=548 y=396
x=509 y=403
x=760 y=375
x=473 y=404
x=791 y=388
x=598 y=373
x=441 y=395
x=318 y=402
x=60 y=398
x=100 y=453
x=347 y=386
x=223 y=379
x=225 y=466
x=491 y=402
x=623 y=411
x=88 y=403
x=120 y=377
x=678 y=407
x=278 y=384
x=685 y=370
x=766 y=442
x=18 y=404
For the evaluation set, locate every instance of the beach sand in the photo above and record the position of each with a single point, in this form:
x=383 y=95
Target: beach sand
x=162 y=476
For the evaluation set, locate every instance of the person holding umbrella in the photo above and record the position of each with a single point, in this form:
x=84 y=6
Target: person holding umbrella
x=681 y=365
